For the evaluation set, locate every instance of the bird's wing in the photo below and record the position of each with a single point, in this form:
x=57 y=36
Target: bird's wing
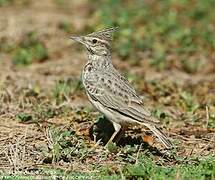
x=114 y=92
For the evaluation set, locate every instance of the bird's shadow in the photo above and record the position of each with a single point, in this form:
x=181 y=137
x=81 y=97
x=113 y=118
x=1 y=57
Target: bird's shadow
x=103 y=129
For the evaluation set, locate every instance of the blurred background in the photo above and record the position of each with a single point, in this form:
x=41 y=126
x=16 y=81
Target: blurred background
x=165 y=35
x=166 y=49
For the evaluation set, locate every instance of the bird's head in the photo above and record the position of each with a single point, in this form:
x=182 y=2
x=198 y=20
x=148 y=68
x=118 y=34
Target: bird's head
x=98 y=43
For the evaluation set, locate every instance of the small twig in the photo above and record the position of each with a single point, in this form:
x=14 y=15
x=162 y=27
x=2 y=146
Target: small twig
x=121 y=173
x=191 y=140
x=207 y=116
x=8 y=157
x=211 y=141
x=16 y=153
x=49 y=136
x=138 y=153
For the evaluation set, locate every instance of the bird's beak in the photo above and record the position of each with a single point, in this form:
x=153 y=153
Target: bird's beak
x=77 y=38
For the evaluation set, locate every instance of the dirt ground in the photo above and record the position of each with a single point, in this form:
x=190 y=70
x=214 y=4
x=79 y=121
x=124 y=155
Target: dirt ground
x=21 y=142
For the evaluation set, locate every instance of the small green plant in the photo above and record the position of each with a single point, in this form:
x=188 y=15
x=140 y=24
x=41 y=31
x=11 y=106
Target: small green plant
x=24 y=117
x=191 y=66
x=30 y=50
x=64 y=145
x=64 y=88
x=22 y=57
x=158 y=57
x=188 y=102
x=158 y=112
x=43 y=112
x=211 y=121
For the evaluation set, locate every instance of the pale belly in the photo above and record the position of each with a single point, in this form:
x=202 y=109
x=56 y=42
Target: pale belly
x=112 y=115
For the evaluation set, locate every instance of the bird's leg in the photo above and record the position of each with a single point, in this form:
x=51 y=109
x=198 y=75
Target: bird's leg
x=119 y=135
x=117 y=128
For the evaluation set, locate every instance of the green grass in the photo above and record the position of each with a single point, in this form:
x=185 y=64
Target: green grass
x=188 y=102
x=129 y=162
x=63 y=89
x=144 y=168
x=147 y=169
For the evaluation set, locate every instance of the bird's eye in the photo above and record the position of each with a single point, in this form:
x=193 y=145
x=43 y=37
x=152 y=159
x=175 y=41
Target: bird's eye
x=94 y=41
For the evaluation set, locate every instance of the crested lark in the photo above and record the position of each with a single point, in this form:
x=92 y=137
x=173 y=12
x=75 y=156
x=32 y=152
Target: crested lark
x=109 y=91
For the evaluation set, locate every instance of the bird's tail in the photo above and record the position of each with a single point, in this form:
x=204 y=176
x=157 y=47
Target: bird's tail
x=161 y=136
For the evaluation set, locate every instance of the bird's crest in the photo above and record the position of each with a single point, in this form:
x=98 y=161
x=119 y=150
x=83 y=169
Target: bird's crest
x=105 y=34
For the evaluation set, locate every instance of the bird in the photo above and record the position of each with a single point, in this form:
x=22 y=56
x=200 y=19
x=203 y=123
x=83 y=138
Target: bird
x=110 y=92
